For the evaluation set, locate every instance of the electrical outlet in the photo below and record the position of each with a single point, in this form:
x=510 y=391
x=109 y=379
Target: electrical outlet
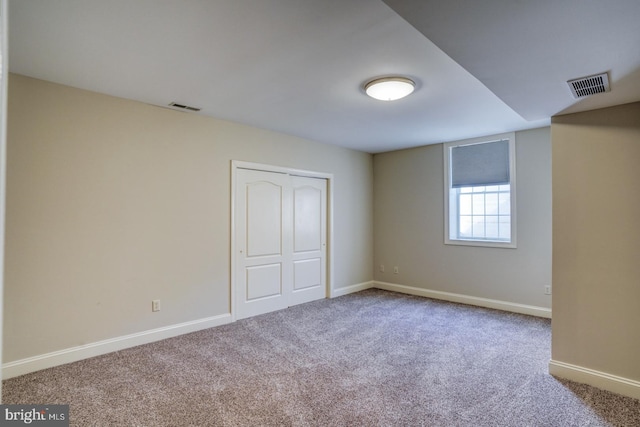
x=547 y=290
x=396 y=270
x=155 y=305
x=382 y=268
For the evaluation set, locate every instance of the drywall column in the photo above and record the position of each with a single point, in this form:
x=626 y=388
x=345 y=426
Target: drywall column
x=596 y=247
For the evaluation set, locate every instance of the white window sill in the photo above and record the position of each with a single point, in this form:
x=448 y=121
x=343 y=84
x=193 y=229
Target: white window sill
x=481 y=243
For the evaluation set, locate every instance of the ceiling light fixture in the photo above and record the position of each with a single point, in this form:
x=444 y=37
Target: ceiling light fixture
x=389 y=88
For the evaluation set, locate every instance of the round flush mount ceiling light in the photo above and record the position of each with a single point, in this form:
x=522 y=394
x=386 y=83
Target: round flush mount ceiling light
x=389 y=88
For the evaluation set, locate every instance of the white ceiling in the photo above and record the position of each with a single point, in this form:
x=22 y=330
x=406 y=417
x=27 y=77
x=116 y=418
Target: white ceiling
x=298 y=66
x=525 y=51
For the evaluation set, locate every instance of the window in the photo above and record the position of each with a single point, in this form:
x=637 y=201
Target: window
x=480 y=192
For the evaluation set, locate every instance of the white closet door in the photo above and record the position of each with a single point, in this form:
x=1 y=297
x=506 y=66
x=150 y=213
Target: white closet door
x=309 y=239
x=263 y=218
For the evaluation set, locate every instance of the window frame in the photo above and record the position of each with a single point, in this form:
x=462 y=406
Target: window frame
x=451 y=214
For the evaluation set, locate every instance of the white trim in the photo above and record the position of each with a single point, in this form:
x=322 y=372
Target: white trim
x=602 y=380
x=352 y=289
x=330 y=277
x=466 y=299
x=232 y=239
x=239 y=164
x=73 y=354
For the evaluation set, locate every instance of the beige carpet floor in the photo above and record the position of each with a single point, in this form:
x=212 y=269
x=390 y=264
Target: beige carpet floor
x=374 y=358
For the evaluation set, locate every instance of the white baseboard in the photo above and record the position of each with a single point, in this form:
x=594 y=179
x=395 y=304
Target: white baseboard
x=351 y=289
x=61 y=357
x=465 y=299
x=613 y=383
x=74 y=354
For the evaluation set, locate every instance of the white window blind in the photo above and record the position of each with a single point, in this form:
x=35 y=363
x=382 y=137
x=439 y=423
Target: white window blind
x=480 y=164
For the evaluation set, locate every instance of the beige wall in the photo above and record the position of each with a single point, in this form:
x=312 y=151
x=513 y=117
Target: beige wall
x=409 y=227
x=596 y=240
x=112 y=203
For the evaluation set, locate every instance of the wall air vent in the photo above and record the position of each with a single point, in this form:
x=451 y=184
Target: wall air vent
x=590 y=85
x=183 y=107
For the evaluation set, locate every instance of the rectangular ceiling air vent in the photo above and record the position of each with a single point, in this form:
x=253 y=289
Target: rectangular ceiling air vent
x=183 y=107
x=590 y=85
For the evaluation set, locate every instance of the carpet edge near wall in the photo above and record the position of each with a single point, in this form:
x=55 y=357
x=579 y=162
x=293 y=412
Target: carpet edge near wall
x=73 y=354
x=603 y=380
x=513 y=307
x=580 y=374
